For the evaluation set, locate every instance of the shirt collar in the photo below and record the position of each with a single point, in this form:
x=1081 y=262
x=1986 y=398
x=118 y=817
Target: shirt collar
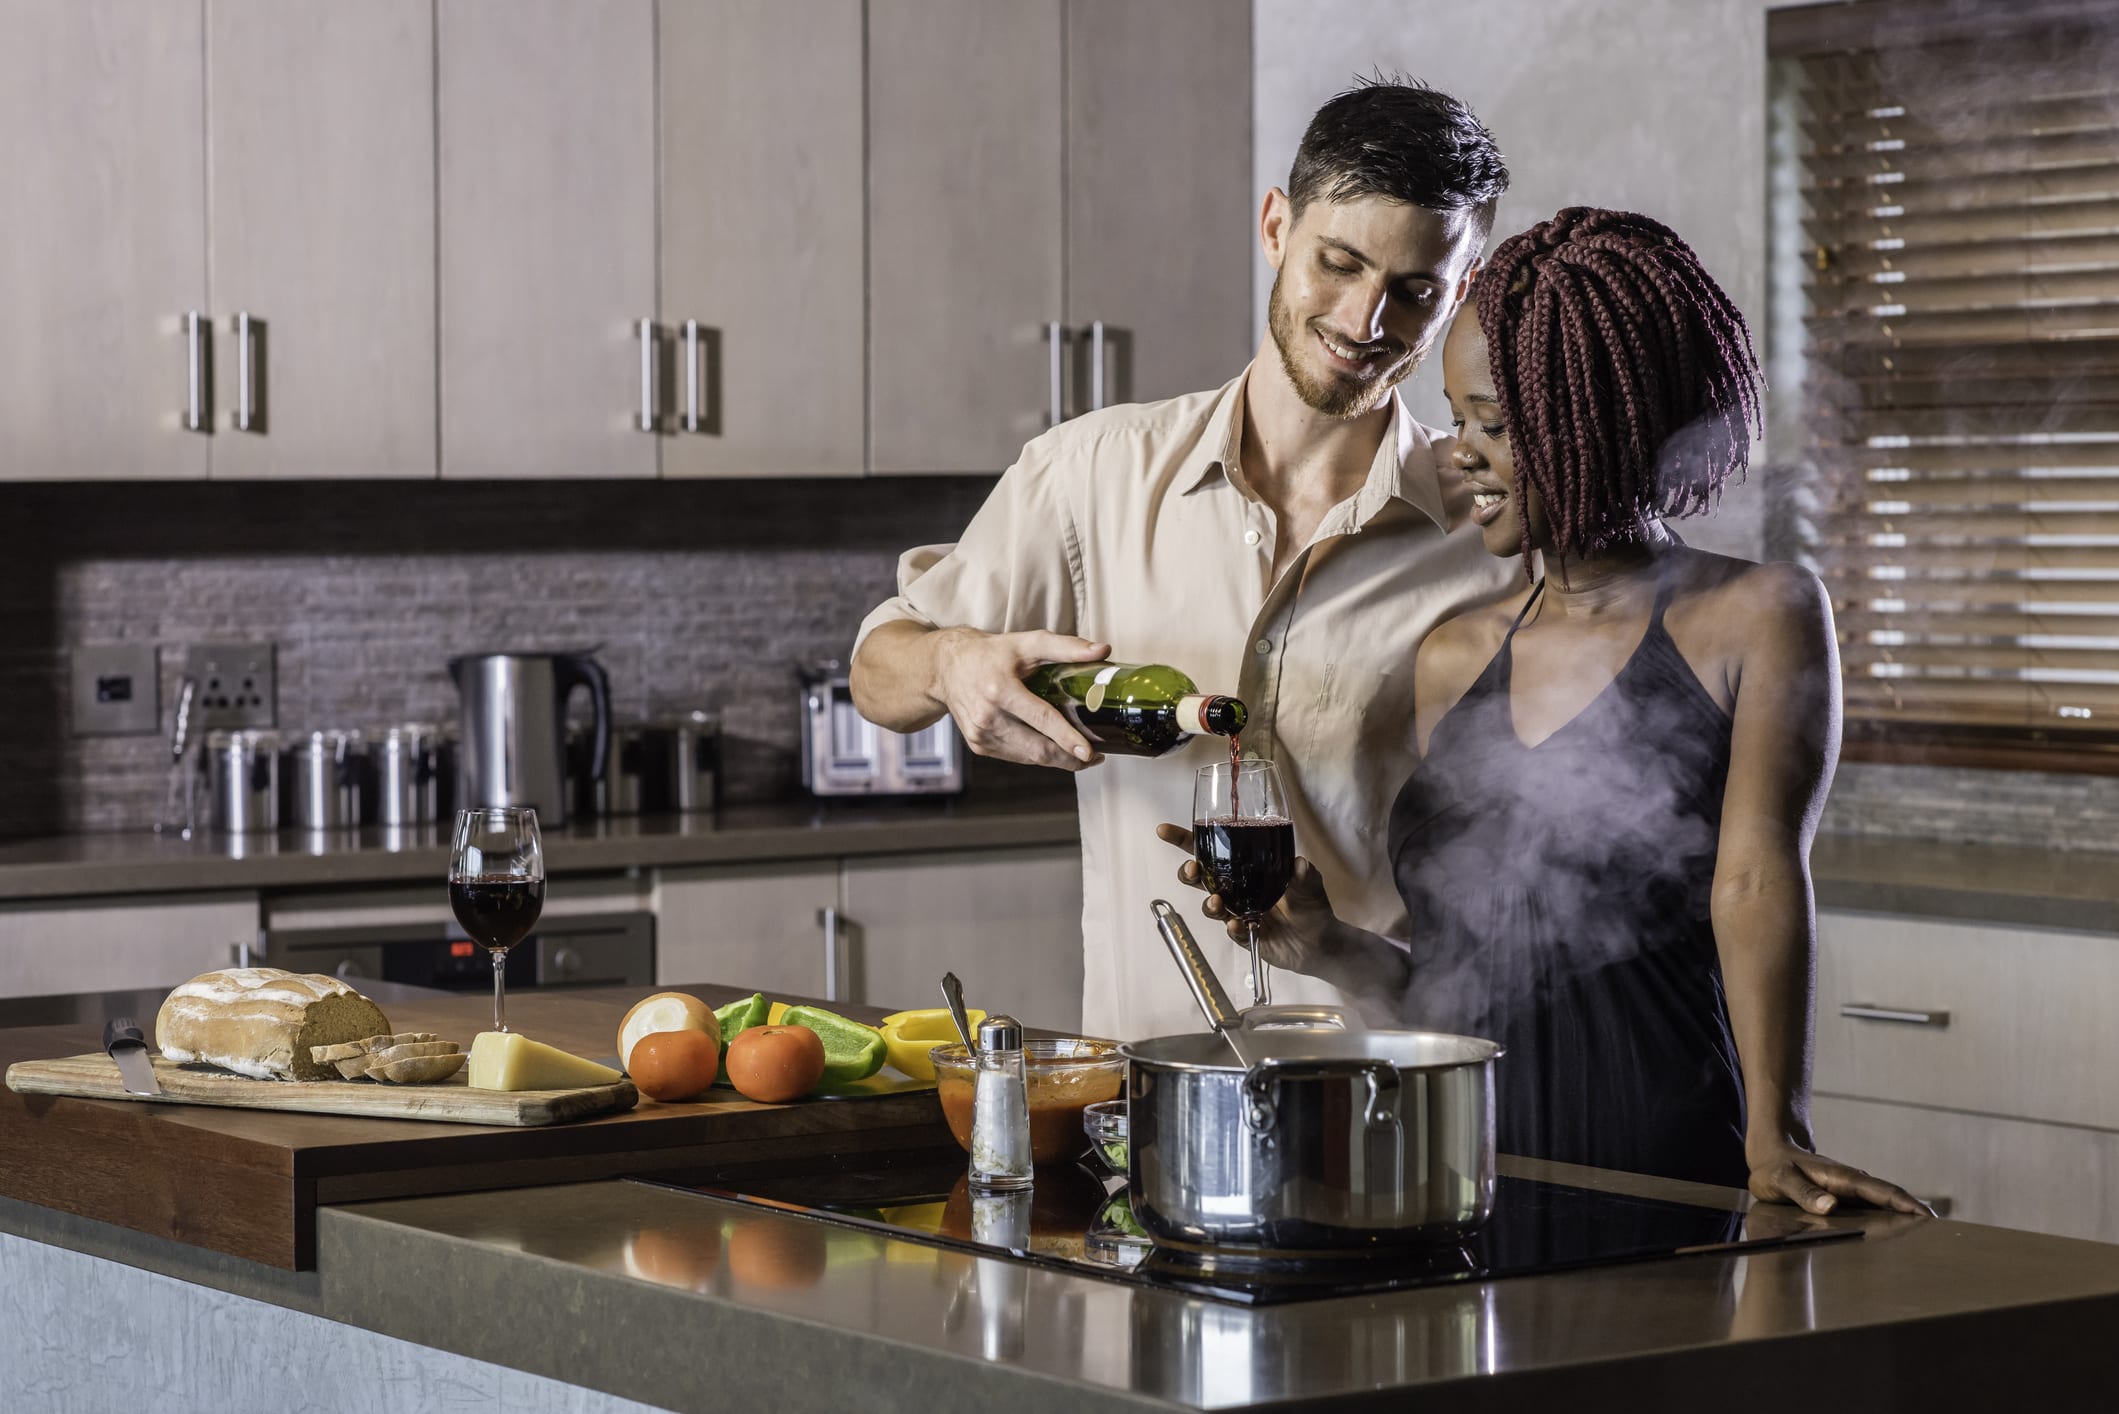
x=1405 y=468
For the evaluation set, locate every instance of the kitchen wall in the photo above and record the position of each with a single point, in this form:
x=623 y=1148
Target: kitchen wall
x=1657 y=106
x=699 y=593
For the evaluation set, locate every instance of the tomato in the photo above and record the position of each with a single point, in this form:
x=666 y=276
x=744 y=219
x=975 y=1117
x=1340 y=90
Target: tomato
x=775 y=1064
x=675 y=1065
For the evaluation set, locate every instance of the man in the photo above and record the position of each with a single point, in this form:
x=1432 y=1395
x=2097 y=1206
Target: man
x=1289 y=538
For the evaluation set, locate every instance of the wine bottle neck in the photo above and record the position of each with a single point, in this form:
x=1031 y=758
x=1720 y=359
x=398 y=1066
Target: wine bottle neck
x=1204 y=713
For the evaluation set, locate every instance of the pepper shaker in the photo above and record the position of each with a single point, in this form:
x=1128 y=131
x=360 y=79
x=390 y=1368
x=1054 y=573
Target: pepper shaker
x=1000 y=1109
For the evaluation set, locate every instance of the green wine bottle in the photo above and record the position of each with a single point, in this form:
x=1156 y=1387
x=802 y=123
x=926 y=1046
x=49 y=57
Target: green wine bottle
x=1135 y=709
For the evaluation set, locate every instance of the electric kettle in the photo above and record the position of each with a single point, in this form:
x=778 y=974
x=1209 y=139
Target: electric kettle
x=514 y=728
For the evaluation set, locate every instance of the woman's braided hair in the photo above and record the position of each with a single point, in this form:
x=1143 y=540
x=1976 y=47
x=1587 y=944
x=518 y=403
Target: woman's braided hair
x=1625 y=373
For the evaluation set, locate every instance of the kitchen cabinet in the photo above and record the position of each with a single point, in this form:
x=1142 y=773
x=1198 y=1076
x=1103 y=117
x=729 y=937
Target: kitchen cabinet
x=747 y=925
x=321 y=126
x=103 y=168
x=1006 y=921
x=762 y=237
x=547 y=249
x=104 y=945
x=966 y=221
x=1161 y=217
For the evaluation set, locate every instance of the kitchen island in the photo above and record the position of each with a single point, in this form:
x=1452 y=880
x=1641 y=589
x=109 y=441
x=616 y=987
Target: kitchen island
x=578 y=1295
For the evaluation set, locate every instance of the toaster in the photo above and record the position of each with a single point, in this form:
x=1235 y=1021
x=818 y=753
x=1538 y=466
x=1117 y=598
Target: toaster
x=843 y=753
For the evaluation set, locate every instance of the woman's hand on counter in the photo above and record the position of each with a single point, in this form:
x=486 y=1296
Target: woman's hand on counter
x=1790 y=1173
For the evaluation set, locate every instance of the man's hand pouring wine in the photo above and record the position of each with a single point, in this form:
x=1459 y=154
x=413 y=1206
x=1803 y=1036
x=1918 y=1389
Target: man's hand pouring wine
x=980 y=677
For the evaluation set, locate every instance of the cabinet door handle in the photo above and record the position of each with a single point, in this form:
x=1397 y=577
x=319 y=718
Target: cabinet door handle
x=1096 y=365
x=691 y=375
x=834 y=954
x=1055 y=343
x=246 y=384
x=646 y=419
x=195 y=331
x=1940 y=1203
x=1911 y=1016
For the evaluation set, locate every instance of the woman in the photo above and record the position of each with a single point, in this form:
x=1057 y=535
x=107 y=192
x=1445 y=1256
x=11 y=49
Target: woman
x=1604 y=853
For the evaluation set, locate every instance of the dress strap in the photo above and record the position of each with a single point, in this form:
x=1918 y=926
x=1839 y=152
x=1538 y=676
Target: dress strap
x=1524 y=612
x=1665 y=592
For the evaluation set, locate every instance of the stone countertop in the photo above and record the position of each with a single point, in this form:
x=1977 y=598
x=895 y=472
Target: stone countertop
x=686 y=1302
x=2004 y=884
x=141 y=861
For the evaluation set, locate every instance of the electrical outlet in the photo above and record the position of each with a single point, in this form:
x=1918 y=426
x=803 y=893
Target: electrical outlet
x=236 y=686
x=114 y=690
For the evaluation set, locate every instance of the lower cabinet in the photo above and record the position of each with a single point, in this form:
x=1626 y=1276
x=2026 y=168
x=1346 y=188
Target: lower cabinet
x=1008 y=922
x=883 y=929
x=745 y=925
x=2052 y=1178
x=94 y=945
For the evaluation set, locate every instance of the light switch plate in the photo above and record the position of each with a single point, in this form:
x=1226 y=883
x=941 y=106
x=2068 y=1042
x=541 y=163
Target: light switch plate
x=115 y=690
x=237 y=686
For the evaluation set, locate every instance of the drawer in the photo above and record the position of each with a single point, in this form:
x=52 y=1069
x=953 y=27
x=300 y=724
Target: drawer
x=2027 y=1034
x=2006 y=1172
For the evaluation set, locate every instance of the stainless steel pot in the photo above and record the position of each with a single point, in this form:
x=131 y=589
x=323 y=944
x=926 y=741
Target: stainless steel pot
x=1334 y=1142
x=323 y=781
x=685 y=758
x=404 y=769
x=1290 y=1132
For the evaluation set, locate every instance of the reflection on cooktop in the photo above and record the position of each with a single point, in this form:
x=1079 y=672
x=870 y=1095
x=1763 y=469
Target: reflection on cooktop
x=1074 y=1221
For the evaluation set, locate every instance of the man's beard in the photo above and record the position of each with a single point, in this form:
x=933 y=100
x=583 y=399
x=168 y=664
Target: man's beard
x=1334 y=396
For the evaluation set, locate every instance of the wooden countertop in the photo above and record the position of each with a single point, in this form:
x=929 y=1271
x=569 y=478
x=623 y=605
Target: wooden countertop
x=247 y=1182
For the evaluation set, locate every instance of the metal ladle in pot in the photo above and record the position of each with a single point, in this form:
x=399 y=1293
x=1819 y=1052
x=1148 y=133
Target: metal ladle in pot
x=1222 y=1016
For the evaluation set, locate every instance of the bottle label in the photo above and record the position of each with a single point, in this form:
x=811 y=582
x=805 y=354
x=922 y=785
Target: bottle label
x=1094 y=697
x=1192 y=714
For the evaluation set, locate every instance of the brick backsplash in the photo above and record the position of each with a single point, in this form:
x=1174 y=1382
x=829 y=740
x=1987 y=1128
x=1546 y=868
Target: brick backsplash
x=698 y=593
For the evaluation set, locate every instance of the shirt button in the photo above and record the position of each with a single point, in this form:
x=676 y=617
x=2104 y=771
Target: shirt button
x=1250 y=537
x=1264 y=646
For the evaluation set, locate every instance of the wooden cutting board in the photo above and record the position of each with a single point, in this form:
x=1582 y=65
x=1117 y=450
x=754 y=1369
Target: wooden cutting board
x=95 y=1077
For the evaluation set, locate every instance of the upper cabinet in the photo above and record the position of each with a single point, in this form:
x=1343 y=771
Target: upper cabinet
x=547 y=195
x=762 y=238
x=103 y=373
x=966 y=219
x=1160 y=231
x=609 y=238
x=321 y=125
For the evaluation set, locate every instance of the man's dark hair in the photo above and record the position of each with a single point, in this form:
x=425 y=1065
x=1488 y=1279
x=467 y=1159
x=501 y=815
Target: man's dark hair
x=1399 y=139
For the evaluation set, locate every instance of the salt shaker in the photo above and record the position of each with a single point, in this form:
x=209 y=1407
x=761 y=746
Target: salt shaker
x=1000 y=1109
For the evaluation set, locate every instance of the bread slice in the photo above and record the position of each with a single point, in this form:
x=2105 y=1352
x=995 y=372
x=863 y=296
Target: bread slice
x=419 y=1070
x=264 y=1022
x=367 y=1046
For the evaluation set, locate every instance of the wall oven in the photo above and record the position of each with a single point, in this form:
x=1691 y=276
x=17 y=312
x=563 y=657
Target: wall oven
x=596 y=933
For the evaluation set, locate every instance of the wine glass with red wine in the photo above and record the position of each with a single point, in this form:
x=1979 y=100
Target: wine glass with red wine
x=1244 y=840
x=496 y=885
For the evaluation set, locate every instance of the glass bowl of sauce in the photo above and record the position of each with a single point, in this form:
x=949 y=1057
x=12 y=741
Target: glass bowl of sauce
x=1063 y=1078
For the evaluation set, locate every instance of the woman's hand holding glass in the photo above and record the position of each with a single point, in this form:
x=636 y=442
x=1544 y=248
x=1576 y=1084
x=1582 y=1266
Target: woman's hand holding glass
x=1299 y=933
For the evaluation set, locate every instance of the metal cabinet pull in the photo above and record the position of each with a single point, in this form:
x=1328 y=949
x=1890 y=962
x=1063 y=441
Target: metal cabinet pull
x=1911 y=1016
x=1096 y=365
x=195 y=414
x=834 y=955
x=1941 y=1203
x=647 y=417
x=1055 y=340
x=691 y=375
x=246 y=386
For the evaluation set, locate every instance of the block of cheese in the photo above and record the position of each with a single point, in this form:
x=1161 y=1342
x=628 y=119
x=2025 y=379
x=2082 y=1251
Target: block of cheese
x=264 y=1022
x=507 y=1060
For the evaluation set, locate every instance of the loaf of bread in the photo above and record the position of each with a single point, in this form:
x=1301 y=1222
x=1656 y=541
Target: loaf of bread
x=263 y=1022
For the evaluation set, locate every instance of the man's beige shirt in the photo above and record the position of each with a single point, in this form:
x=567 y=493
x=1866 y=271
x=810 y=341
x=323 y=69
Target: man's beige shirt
x=1134 y=527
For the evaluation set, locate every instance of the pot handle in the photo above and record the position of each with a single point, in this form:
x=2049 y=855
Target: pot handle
x=1292 y=1016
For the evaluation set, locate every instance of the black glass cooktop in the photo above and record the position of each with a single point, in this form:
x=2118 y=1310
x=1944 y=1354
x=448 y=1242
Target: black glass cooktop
x=1076 y=1221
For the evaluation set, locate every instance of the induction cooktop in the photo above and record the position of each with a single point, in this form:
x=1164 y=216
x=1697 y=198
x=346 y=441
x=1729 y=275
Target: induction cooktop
x=1073 y=1220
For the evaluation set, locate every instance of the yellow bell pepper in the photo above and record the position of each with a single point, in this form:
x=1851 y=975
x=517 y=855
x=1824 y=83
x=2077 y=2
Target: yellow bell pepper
x=908 y=1036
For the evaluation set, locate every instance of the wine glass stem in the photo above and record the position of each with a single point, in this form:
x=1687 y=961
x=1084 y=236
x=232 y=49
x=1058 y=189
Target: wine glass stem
x=1261 y=985
x=500 y=999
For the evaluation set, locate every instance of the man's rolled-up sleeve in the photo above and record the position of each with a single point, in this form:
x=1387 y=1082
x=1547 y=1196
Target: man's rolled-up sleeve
x=1017 y=567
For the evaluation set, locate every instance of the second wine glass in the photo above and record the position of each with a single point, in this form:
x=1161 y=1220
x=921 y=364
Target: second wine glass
x=1244 y=841
x=496 y=885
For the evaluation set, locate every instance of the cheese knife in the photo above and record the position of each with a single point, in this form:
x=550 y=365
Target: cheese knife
x=127 y=1047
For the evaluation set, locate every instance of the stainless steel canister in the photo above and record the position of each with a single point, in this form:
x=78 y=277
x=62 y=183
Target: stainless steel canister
x=404 y=775
x=323 y=781
x=619 y=790
x=1333 y=1142
x=243 y=781
x=686 y=762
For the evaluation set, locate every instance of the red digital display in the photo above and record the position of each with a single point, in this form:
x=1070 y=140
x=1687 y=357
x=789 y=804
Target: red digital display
x=463 y=949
